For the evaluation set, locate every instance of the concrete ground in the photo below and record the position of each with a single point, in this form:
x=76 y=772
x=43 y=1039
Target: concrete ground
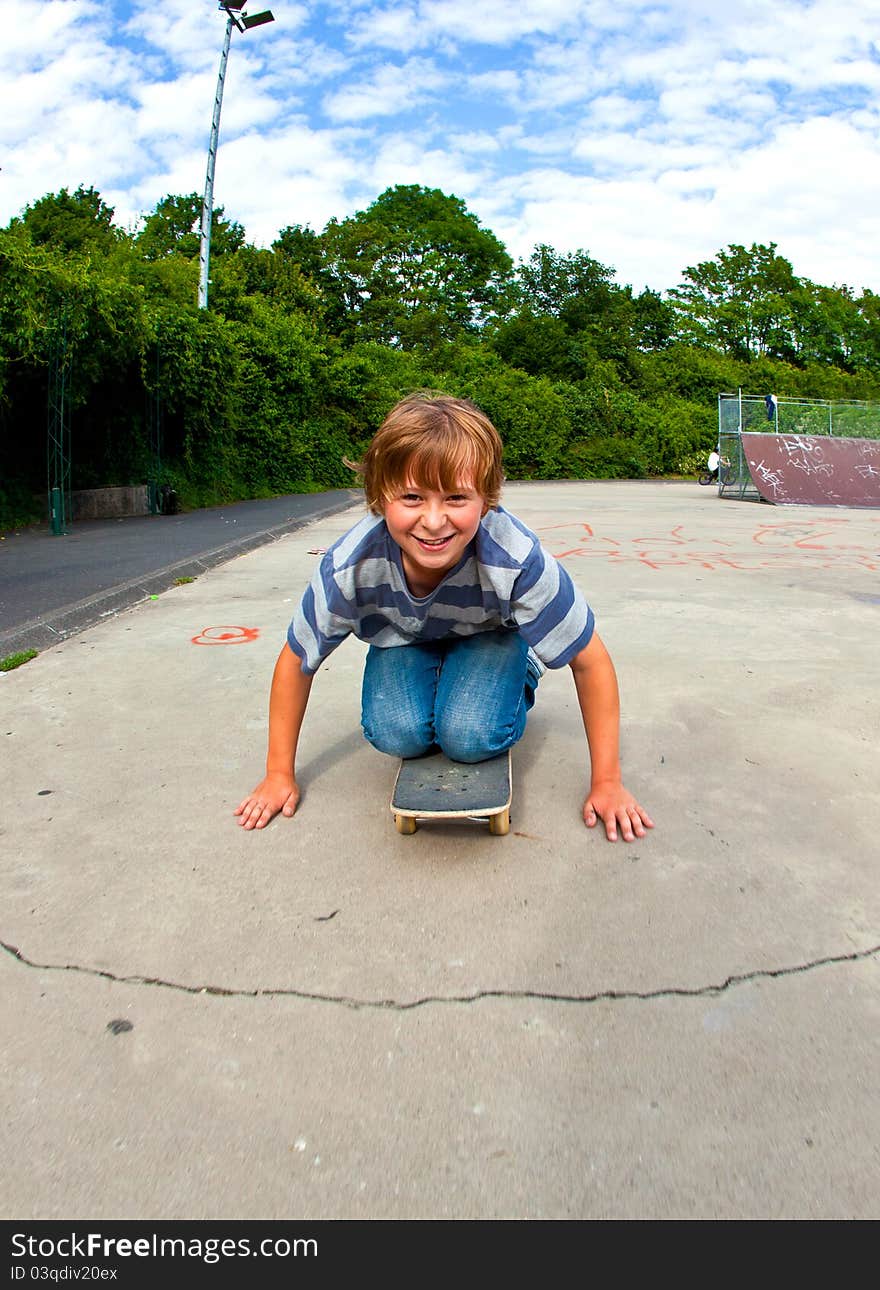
x=326 y=1019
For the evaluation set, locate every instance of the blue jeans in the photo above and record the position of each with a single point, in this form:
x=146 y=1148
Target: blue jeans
x=468 y=696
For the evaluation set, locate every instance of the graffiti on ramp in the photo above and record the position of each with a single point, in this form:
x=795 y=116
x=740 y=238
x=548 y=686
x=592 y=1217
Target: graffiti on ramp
x=814 y=470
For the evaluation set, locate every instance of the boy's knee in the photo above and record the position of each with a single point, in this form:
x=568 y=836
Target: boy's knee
x=398 y=740
x=471 y=741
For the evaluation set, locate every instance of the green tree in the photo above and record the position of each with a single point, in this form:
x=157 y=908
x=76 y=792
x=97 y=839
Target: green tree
x=252 y=274
x=654 y=321
x=867 y=352
x=173 y=228
x=302 y=246
x=539 y=344
x=56 y=306
x=281 y=362
x=363 y=381
x=739 y=302
x=302 y=249
x=78 y=223
x=692 y=371
x=415 y=268
x=580 y=296
x=573 y=287
x=528 y=411
x=825 y=325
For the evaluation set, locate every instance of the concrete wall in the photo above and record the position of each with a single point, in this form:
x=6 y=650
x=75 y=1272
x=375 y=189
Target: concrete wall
x=109 y=503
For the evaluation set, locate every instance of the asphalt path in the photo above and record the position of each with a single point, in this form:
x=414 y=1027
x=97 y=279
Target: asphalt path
x=51 y=587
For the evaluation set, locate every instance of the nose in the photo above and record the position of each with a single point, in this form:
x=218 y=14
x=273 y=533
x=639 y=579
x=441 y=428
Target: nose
x=433 y=515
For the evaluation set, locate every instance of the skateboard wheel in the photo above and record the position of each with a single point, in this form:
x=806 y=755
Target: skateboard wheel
x=500 y=824
x=405 y=823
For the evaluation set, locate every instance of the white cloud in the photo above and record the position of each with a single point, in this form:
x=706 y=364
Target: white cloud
x=396 y=28
x=649 y=132
x=476 y=141
x=821 y=189
x=814 y=190
x=390 y=90
x=301 y=63
x=311 y=176
x=174 y=112
x=402 y=159
x=504 y=83
x=614 y=111
x=42 y=30
x=184 y=34
x=456 y=22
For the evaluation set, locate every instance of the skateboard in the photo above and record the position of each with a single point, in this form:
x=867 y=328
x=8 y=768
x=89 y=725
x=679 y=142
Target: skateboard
x=435 y=788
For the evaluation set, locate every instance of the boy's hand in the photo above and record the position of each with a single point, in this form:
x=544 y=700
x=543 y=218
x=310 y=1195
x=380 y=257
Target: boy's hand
x=610 y=802
x=278 y=792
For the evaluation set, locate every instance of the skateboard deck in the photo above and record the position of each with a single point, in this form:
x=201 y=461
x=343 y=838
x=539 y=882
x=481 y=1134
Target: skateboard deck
x=435 y=788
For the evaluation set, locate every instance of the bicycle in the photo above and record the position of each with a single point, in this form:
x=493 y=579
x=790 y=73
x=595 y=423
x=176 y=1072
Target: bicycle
x=716 y=466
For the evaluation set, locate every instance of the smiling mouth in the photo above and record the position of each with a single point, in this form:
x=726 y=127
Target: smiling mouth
x=434 y=544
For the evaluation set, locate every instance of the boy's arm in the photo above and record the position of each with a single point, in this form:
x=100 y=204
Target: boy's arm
x=608 y=800
x=287 y=707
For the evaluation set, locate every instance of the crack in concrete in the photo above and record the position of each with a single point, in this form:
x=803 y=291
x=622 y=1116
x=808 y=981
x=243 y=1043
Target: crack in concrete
x=395 y=1005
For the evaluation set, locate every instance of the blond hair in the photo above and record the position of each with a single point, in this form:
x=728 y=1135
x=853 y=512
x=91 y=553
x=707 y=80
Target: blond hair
x=432 y=441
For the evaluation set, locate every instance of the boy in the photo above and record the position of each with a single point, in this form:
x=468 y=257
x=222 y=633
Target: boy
x=462 y=609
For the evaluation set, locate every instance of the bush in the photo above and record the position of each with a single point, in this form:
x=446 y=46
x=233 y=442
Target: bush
x=673 y=430
x=19 y=506
x=527 y=411
x=604 y=457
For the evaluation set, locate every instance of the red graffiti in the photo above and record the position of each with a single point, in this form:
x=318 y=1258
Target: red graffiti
x=818 y=544
x=225 y=636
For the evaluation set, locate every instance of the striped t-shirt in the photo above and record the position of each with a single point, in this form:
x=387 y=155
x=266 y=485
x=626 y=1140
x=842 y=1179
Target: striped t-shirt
x=505 y=579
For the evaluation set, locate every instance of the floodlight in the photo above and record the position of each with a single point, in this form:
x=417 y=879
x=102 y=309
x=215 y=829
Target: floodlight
x=234 y=18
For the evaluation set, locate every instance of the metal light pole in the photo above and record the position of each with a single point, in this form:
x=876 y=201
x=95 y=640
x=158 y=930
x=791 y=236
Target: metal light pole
x=234 y=18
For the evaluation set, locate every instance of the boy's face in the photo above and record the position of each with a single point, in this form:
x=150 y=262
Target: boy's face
x=432 y=529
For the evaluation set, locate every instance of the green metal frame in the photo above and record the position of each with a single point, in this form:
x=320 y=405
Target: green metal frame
x=58 y=444
x=154 y=430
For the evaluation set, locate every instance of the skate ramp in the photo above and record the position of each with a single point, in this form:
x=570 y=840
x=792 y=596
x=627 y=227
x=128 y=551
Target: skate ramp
x=814 y=470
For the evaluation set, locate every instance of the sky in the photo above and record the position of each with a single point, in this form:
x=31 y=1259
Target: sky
x=649 y=133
